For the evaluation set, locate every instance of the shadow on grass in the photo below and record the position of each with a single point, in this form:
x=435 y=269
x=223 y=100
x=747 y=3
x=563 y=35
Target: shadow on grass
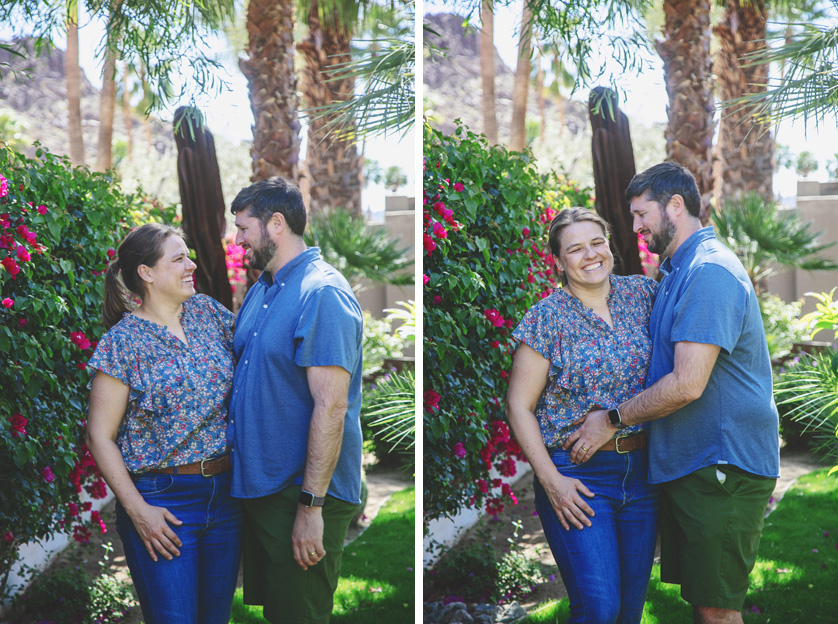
x=795 y=576
x=376 y=577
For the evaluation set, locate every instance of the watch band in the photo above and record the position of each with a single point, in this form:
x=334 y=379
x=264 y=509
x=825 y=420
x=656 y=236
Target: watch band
x=616 y=420
x=310 y=500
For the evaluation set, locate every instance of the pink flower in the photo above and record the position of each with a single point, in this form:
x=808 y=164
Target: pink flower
x=22 y=254
x=32 y=238
x=111 y=252
x=437 y=299
x=431 y=400
x=81 y=366
x=42 y=210
x=4 y=186
x=22 y=322
x=8 y=535
x=428 y=243
x=10 y=265
x=458 y=187
x=97 y=489
x=525 y=231
x=483 y=486
x=80 y=340
x=97 y=518
x=73 y=509
x=494 y=317
x=459 y=450
x=46 y=473
x=18 y=424
x=439 y=230
x=7 y=302
x=425 y=279
x=494 y=344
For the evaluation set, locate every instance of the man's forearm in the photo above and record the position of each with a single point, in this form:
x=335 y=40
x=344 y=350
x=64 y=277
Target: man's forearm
x=661 y=399
x=325 y=438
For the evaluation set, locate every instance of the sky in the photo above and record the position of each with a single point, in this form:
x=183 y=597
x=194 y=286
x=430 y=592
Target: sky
x=645 y=98
x=228 y=111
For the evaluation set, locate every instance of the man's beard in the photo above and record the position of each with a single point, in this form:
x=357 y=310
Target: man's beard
x=663 y=237
x=264 y=253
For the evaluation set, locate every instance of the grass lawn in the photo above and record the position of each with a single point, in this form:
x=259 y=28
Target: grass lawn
x=796 y=575
x=376 y=576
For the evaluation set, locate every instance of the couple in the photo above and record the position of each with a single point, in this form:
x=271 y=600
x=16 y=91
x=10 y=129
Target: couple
x=672 y=386
x=283 y=470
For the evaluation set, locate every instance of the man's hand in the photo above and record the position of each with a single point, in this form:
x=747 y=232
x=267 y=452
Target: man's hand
x=307 y=536
x=596 y=430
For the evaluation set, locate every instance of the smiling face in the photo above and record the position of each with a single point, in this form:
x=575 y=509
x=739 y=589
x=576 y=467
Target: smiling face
x=585 y=256
x=652 y=222
x=173 y=274
x=252 y=235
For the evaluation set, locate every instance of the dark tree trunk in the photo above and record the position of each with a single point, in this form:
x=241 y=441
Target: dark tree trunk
x=203 y=205
x=613 y=158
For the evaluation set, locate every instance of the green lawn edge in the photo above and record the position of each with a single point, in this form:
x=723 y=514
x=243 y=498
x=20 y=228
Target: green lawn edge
x=795 y=576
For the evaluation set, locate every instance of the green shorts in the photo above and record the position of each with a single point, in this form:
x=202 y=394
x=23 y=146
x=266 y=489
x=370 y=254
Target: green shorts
x=710 y=533
x=272 y=577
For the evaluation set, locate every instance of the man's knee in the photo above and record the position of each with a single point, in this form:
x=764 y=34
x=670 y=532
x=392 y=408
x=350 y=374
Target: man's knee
x=714 y=615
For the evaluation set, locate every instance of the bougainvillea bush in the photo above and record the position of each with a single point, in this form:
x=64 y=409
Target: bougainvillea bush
x=486 y=261
x=58 y=230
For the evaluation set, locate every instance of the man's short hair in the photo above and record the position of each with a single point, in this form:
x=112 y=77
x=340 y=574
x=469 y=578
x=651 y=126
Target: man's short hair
x=265 y=197
x=661 y=182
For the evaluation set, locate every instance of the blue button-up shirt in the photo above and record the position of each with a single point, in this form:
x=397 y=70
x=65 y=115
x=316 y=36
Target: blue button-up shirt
x=306 y=315
x=706 y=297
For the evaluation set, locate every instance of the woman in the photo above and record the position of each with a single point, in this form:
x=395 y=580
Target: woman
x=587 y=346
x=157 y=429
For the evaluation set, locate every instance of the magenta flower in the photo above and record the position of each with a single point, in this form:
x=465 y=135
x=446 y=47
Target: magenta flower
x=22 y=322
x=458 y=187
x=80 y=340
x=4 y=186
x=112 y=253
x=32 y=238
x=46 y=473
x=22 y=254
x=10 y=265
x=428 y=243
x=425 y=279
x=18 y=421
x=8 y=303
x=459 y=450
x=8 y=535
x=439 y=230
x=431 y=400
x=494 y=317
x=42 y=210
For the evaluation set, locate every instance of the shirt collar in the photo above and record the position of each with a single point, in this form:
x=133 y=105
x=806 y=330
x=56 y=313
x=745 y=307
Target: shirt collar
x=309 y=255
x=687 y=249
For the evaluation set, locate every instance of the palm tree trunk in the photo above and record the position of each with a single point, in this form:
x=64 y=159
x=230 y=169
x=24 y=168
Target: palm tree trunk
x=107 y=98
x=333 y=161
x=745 y=147
x=487 y=71
x=539 y=89
x=272 y=83
x=520 y=90
x=126 y=112
x=72 y=72
x=685 y=52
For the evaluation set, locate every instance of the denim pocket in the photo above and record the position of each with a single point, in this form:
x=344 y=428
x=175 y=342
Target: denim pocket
x=151 y=484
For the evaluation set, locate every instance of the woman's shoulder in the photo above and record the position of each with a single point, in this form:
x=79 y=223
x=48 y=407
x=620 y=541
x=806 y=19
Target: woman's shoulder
x=630 y=284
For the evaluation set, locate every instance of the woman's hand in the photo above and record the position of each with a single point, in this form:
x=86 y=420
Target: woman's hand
x=152 y=523
x=565 y=497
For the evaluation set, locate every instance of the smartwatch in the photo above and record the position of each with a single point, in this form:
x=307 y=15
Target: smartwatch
x=310 y=500
x=614 y=417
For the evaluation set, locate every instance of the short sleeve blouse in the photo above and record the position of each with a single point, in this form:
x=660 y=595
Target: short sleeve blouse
x=177 y=406
x=591 y=364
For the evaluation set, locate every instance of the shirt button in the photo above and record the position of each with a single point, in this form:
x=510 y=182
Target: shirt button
x=265 y=305
x=282 y=284
x=246 y=361
x=254 y=333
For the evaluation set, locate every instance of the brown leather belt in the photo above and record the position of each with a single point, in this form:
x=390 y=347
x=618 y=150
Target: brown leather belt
x=205 y=467
x=624 y=444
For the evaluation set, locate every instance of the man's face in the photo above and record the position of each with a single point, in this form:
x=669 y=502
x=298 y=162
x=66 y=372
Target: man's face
x=252 y=235
x=653 y=223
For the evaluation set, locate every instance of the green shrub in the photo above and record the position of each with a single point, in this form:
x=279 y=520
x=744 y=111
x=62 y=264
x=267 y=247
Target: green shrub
x=58 y=228
x=486 y=262
x=782 y=326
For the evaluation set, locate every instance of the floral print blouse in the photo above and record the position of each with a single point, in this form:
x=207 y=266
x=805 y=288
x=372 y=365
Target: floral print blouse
x=591 y=365
x=177 y=406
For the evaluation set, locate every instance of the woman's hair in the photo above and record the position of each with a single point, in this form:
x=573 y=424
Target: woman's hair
x=568 y=217
x=143 y=245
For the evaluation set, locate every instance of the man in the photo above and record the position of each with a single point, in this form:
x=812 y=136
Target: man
x=294 y=430
x=713 y=425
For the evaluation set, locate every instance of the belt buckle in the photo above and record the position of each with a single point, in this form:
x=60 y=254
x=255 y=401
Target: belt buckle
x=202 y=468
x=617 y=443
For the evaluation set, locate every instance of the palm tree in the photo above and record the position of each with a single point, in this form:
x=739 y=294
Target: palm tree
x=72 y=72
x=487 y=71
x=107 y=97
x=745 y=145
x=332 y=160
x=520 y=90
x=685 y=52
x=763 y=239
x=272 y=83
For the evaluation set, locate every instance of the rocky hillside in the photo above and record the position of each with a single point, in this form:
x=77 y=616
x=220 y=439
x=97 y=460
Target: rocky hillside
x=33 y=92
x=453 y=86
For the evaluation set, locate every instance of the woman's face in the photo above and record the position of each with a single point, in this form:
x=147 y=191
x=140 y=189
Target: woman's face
x=173 y=274
x=584 y=256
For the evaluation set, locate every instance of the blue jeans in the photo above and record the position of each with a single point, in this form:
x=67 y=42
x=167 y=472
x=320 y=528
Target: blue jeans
x=197 y=587
x=605 y=567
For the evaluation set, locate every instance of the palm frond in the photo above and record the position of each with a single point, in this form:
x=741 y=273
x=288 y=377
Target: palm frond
x=364 y=255
x=391 y=409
